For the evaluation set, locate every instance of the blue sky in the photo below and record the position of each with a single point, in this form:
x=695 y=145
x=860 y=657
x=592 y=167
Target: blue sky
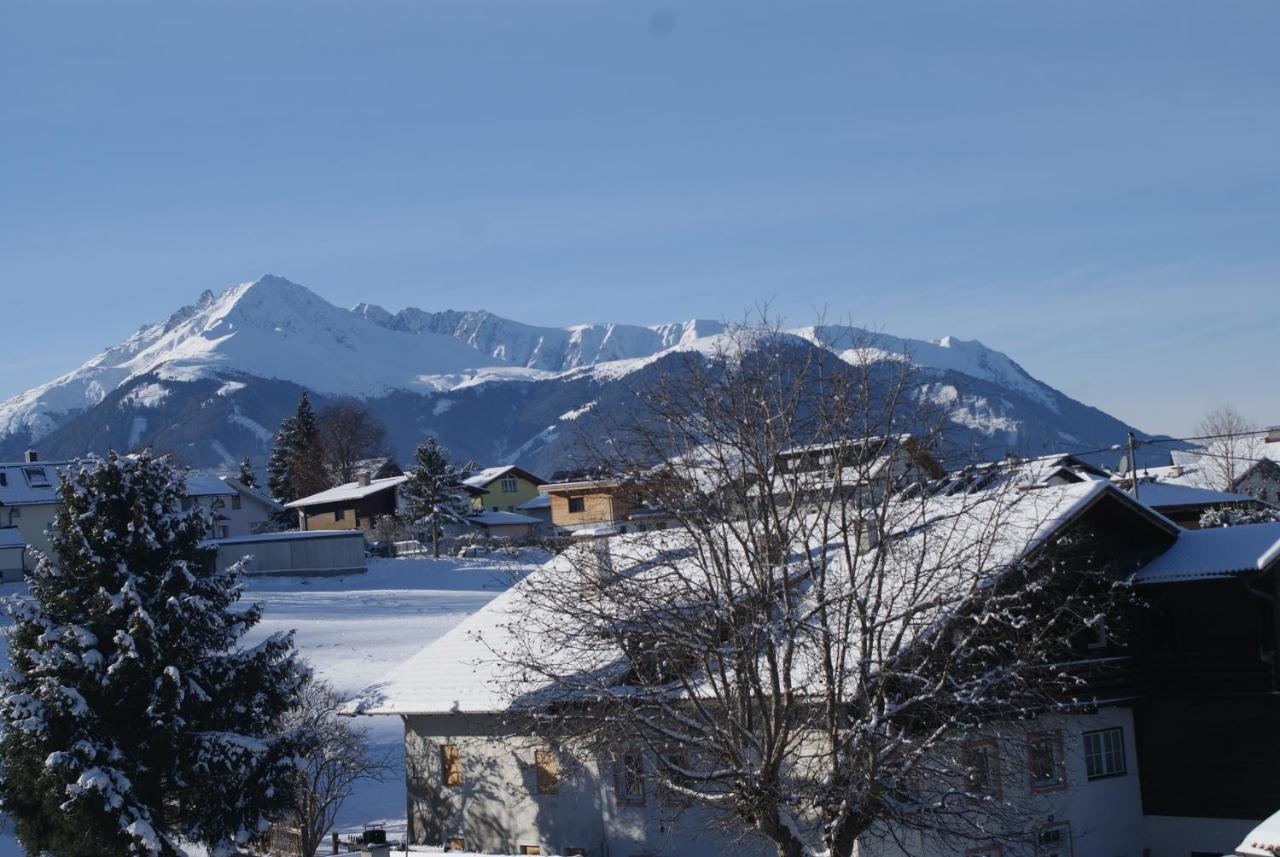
x=1090 y=187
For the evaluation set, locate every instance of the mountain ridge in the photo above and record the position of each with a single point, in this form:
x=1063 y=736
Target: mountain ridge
x=222 y=362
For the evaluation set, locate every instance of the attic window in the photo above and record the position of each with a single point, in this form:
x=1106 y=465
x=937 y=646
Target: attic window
x=36 y=477
x=509 y=485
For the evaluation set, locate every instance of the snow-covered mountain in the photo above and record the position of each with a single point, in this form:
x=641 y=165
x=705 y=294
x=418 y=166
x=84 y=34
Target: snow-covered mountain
x=553 y=349
x=268 y=328
x=213 y=381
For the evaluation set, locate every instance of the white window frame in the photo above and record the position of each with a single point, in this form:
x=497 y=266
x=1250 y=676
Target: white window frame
x=1104 y=753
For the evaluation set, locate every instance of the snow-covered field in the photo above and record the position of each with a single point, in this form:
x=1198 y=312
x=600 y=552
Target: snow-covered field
x=357 y=628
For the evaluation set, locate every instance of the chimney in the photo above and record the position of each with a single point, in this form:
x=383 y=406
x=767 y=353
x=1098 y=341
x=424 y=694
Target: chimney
x=362 y=478
x=31 y=457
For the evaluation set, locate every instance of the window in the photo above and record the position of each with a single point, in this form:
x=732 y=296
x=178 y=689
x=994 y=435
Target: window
x=1054 y=841
x=220 y=532
x=577 y=505
x=548 y=768
x=982 y=768
x=1044 y=761
x=36 y=477
x=1104 y=753
x=235 y=501
x=629 y=782
x=509 y=485
x=455 y=843
x=985 y=851
x=4 y=479
x=450 y=765
x=675 y=762
x=339 y=514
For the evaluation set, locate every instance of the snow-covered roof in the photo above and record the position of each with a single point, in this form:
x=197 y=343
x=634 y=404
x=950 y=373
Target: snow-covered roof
x=207 y=485
x=1263 y=840
x=348 y=491
x=542 y=501
x=1215 y=552
x=971 y=538
x=482 y=478
x=30 y=483
x=250 y=491
x=1164 y=495
x=500 y=519
x=11 y=537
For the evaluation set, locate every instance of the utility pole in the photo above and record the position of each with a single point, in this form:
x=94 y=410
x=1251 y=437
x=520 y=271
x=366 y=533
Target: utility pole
x=1133 y=463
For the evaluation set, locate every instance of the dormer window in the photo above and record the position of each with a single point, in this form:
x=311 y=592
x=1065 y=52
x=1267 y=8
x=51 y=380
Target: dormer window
x=36 y=477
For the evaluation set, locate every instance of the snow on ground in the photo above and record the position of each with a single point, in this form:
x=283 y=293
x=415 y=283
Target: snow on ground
x=356 y=628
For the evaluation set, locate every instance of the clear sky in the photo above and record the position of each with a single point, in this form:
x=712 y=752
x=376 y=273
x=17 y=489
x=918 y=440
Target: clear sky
x=1090 y=187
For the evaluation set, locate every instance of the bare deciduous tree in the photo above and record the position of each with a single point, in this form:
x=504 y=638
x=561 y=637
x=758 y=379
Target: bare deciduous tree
x=1231 y=445
x=339 y=759
x=802 y=644
x=348 y=433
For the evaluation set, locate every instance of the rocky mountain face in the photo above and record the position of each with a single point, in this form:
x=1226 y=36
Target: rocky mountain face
x=213 y=381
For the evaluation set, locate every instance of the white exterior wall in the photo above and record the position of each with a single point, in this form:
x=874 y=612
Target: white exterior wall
x=497 y=807
x=1170 y=836
x=31 y=521
x=248 y=519
x=1104 y=815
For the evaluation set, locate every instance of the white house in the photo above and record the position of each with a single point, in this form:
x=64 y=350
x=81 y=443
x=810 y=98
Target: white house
x=477 y=778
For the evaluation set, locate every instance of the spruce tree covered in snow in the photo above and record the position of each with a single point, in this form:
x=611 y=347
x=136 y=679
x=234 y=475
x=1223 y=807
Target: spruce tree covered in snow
x=297 y=467
x=431 y=492
x=134 y=720
x=245 y=477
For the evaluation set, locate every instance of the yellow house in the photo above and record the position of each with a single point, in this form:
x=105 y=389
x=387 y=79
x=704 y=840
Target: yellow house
x=506 y=488
x=29 y=498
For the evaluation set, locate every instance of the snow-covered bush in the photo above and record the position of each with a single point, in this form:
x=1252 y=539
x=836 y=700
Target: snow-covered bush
x=133 y=718
x=1234 y=516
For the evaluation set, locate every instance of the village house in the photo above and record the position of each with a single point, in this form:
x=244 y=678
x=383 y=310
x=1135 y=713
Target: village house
x=592 y=508
x=29 y=497
x=505 y=488
x=1117 y=778
x=352 y=505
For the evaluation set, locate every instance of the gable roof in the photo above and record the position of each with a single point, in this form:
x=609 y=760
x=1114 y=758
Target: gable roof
x=206 y=485
x=483 y=478
x=1215 y=552
x=1168 y=495
x=460 y=672
x=348 y=491
x=251 y=492
x=21 y=486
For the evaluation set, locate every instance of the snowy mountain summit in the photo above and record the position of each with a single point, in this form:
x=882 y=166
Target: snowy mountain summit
x=215 y=378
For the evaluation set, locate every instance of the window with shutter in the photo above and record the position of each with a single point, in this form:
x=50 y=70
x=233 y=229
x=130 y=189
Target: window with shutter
x=548 y=769
x=450 y=765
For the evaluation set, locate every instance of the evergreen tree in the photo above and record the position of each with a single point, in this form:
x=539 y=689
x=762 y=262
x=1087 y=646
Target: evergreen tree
x=245 y=477
x=280 y=465
x=432 y=492
x=296 y=468
x=133 y=719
